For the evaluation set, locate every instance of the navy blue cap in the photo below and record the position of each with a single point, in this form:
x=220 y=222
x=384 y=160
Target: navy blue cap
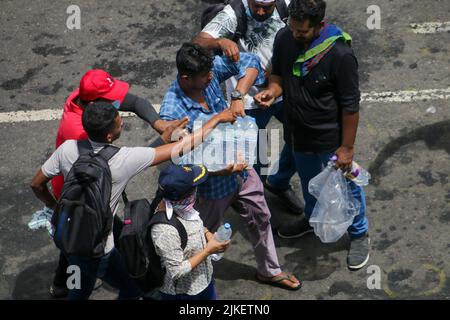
x=176 y=181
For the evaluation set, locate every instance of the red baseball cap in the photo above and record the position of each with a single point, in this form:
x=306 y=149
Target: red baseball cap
x=97 y=83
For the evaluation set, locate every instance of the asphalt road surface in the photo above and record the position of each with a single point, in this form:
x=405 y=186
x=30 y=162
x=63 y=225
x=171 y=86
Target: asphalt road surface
x=404 y=143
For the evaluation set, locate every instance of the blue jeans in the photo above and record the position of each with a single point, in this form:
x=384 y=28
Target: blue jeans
x=310 y=165
x=111 y=269
x=286 y=162
x=208 y=294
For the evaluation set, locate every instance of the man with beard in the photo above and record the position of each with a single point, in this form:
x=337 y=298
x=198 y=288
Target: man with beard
x=261 y=20
x=315 y=70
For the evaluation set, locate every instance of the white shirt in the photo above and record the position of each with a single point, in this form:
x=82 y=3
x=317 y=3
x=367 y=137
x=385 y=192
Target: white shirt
x=124 y=165
x=258 y=39
x=180 y=278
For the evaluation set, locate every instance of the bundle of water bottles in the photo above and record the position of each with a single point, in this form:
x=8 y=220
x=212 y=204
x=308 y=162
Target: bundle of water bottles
x=226 y=144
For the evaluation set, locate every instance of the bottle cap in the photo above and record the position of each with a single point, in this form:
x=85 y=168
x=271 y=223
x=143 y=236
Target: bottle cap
x=334 y=158
x=227 y=226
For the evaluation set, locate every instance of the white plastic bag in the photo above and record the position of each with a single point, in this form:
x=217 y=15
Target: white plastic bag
x=316 y=184
x=42 y=219
x=336 y=206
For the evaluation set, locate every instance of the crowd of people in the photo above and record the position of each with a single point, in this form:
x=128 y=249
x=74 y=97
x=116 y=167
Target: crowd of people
x=276 y=58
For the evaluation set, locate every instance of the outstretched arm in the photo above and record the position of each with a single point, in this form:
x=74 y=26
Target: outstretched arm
x=145 y=110
x=186 y=144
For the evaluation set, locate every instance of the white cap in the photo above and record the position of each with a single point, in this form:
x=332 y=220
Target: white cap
x=264 y=1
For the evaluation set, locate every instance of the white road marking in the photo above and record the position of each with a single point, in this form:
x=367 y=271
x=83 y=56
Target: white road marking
x=406 y=96
x=45 y=115
x=430 y=27
x=373 y=96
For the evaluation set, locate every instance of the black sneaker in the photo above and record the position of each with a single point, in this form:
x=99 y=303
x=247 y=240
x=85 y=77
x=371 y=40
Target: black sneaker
x=358 y=255
x=58 y=292
x=295 y=229
x=290 y=199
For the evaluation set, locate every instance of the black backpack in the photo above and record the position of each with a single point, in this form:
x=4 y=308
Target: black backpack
x=83 y=217
x=136 y=246
x=239 y=9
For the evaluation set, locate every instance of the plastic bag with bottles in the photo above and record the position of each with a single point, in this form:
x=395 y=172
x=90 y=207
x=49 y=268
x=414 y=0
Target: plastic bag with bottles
x=336 y=207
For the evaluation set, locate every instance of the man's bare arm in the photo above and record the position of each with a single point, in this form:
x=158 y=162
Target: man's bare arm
x=172 y=150
x=228 y=47
x=267 y=97
x=40 y=189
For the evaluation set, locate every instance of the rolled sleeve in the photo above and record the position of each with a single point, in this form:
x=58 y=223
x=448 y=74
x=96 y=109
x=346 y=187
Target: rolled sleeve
x=347 y=81
x=250 y=60
x=224 y=68
x=168 y=246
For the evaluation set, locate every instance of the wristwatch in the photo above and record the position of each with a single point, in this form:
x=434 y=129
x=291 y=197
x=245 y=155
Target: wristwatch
x=236 y=95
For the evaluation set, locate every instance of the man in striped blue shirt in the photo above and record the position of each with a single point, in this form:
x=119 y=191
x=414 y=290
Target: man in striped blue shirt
x=197 y=91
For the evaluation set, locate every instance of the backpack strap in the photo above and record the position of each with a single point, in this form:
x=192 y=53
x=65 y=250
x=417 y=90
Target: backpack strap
x=84 y=147
x=282 y=9
x=241 y=15
x=160 y=217
x=108 y=152
x=125 y=197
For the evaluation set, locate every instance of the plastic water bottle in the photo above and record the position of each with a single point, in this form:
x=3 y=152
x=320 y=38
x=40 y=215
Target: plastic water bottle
x=229 y=146
x=198 y=155
x=251 y=138
x=223 y=234
x=201 y=119
x=357 y=174
x=213 y=156
x=239 y=139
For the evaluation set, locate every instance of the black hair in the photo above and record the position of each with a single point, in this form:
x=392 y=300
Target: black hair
x=193 y=60
x=98 y=120
x=312 y=10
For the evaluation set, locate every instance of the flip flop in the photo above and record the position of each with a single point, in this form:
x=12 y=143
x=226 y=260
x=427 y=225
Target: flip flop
x=276 y=281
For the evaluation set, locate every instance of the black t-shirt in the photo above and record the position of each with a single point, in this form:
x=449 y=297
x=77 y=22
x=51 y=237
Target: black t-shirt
x=313 y=104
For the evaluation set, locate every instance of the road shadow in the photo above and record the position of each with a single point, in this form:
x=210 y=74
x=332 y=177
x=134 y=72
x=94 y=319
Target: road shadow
x=232 y=270
x=312 y=260
x=33 y=283
x=436 y=136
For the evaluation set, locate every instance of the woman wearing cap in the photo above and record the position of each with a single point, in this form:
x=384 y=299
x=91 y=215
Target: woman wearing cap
x=189 y=271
